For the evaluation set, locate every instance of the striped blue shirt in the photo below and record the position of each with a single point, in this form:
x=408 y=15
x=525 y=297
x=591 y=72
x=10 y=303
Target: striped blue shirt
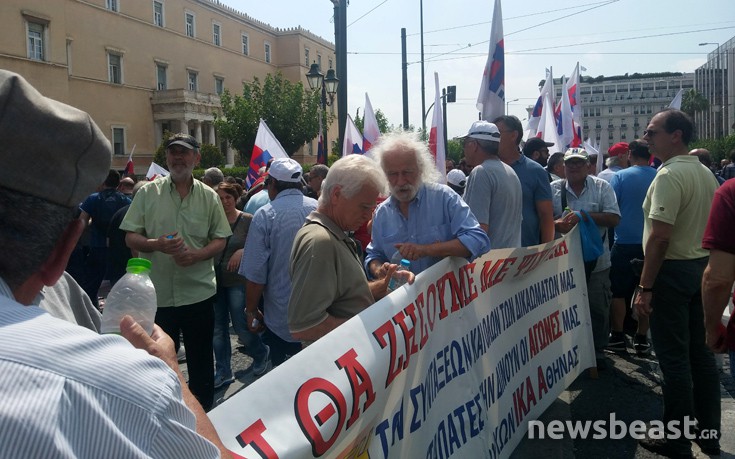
x=66 y=392
x=268 y=254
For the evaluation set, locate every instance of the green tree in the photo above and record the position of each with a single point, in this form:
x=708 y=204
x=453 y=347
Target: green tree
x=454 y=150
x=290 y=112
x=211 y=157
x=693 y=101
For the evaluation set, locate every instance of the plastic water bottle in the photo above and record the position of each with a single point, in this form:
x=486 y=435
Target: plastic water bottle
x=566 y=212
x=133 y=295
x=398 y=279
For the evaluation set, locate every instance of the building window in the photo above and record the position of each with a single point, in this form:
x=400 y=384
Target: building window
x=158 y=13
x=161 y=77
x=193 y=78
x=319 y=61
x=610 y=135
x=623 y=135
x=245 y=44
x=622 y=109
x=330 y=62
x=118 y=140
x=597 y=111
x=219 y=85
x=306 y=57
x=112 y=5
x=609 y=110
x=36 y=40
x=217 y=34
x=114 y=62
x=190 y=25
x=267 y=53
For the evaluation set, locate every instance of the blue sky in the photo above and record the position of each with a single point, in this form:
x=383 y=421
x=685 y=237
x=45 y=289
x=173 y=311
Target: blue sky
x=649 y=36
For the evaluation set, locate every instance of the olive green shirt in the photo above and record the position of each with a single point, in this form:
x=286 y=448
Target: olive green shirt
x=327 y=277
x=199 y=218
x=681 y=195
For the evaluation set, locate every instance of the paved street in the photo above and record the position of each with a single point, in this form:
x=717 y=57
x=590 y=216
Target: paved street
x=631 y=389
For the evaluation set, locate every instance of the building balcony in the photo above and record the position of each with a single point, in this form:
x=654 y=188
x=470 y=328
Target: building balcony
x=185 y=103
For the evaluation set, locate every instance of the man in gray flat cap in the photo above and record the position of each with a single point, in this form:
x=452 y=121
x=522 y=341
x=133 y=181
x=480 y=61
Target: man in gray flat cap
x=68 y=392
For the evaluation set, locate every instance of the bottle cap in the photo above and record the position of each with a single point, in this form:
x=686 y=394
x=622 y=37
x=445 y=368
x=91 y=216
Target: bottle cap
x=405 y=263
x=138 y=265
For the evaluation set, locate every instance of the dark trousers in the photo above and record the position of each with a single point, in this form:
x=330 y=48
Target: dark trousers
x=95 y=266
x=691 y=384
x=281 y=350
x=196 y=322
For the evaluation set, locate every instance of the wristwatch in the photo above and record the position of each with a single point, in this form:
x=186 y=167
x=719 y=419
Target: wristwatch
x=643 y=289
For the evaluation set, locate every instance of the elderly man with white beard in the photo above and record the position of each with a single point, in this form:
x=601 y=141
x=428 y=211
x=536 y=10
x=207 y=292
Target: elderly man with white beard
x=423 y=221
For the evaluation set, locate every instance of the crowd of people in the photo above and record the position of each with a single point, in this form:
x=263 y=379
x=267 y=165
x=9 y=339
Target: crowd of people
x=297 y=254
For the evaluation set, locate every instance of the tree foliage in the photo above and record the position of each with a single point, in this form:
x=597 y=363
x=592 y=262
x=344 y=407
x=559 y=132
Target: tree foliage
x=290 y=111
x=455 y=151
x=719 y=149
x=693 y=101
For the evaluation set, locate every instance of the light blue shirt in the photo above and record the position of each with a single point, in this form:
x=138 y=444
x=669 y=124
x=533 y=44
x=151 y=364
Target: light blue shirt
x=268 y=253
x=630 y=186
x=257 y=201
x=69 y=392
x=437 y=214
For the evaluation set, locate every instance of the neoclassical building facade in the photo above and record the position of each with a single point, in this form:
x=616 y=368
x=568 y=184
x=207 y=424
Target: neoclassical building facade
x=141 y=67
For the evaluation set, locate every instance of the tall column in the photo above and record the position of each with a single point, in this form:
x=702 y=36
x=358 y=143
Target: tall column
x=184 y=126
x=198 y=131
x=157 y=133
x=230 y=159
x=211 y=138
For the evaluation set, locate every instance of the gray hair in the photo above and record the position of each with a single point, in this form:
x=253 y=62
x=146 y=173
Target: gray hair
x=351 y=173
x=213 y=176
x=320 y=169
x=613 y=161
x=401 y=140
x=31 y=228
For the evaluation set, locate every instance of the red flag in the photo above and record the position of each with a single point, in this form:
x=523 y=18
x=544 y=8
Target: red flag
x=436 y=135
x=491 y=100
x=129 y=168
x=370 y=131
x=266 y=147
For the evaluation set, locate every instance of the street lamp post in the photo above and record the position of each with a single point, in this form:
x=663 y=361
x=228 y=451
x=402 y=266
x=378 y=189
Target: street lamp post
x=721 y=74
x=508 y=103
x=328 y=86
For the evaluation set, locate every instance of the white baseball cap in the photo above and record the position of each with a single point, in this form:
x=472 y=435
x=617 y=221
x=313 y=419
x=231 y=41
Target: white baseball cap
x=286 y=170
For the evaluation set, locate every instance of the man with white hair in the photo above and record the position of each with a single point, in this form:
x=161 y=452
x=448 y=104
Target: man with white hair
x=328 y=283
x=422 y=221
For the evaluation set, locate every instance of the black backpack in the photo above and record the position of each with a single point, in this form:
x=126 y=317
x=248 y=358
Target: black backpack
x=108 y=202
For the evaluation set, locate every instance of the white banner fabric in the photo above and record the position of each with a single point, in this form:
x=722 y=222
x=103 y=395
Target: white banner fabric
x=456 y=363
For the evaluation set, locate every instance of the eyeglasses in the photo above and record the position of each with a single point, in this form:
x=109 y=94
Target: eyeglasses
x=650 y=132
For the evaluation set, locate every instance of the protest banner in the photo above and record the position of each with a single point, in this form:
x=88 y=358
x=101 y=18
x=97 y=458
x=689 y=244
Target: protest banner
x=455 y=364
